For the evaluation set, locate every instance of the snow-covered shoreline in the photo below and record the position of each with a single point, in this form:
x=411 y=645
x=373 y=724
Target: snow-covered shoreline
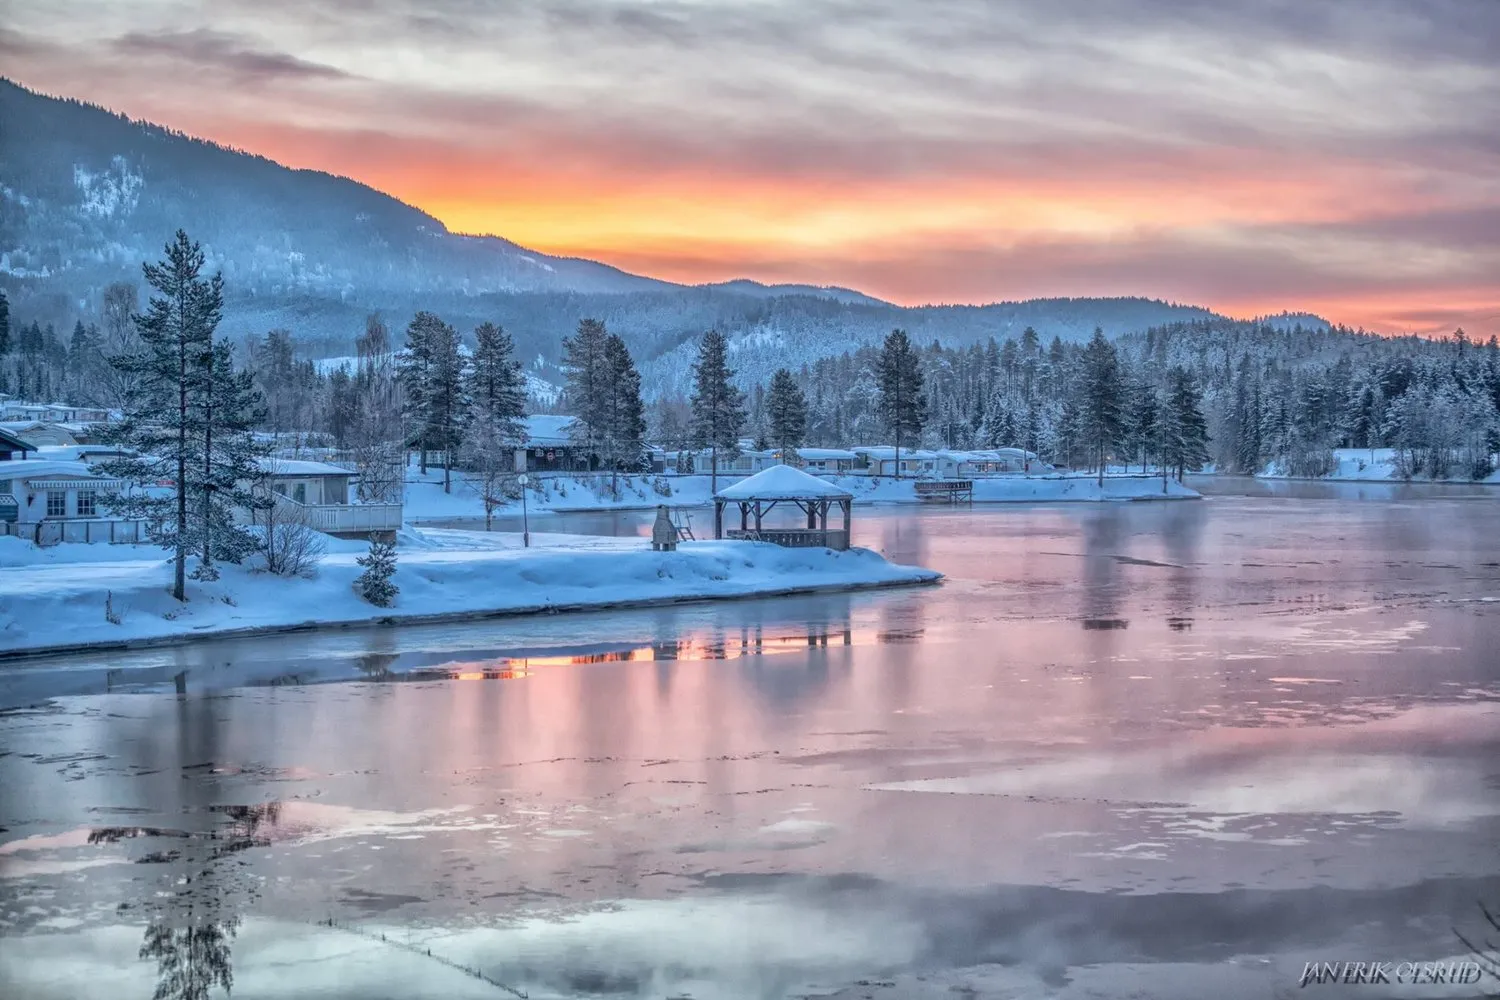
x=425 y=501
x=53 y=600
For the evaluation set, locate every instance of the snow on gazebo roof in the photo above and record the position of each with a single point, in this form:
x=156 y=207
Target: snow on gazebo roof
x=782 y=482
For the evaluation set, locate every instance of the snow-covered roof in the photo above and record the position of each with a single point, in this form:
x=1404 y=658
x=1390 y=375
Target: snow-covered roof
x=782 y=482
x=884 y=451
x=31 y=468
x=297 y=467
x=548 y=429
x=825 y=454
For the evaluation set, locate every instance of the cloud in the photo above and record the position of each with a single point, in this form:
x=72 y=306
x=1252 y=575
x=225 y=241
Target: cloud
x=235 y=55
x=1272 y=150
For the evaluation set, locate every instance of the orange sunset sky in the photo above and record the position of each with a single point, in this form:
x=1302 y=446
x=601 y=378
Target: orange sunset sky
x=1338 y=156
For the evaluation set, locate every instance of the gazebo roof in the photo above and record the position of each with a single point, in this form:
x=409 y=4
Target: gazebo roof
x=782 y=482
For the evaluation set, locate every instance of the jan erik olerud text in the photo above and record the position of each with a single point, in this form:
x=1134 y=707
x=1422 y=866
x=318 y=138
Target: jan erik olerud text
x=1453 y=973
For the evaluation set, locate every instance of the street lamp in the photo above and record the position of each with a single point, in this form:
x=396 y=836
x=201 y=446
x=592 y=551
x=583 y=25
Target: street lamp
x=525 y=523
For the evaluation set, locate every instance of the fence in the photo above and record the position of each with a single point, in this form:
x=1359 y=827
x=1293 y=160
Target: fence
x=89 y=530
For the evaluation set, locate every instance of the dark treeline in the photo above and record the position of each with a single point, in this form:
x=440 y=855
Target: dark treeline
x=1265 y=393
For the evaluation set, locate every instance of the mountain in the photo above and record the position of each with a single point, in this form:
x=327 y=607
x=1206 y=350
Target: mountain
x=87 y=195
x=744 y=286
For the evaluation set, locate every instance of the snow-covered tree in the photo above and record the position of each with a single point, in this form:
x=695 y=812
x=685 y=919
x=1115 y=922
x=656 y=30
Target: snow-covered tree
x=587 y=370
x=1102 y=414
x=903 y=408
x=376 y=584
x=786 y=415
x=168 y=381
x=432 y=371
x=718 y=407
x=623 y=435
x=497 y=399
x=376 y=436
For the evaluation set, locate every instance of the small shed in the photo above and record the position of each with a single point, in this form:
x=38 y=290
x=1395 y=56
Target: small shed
x=758 y=495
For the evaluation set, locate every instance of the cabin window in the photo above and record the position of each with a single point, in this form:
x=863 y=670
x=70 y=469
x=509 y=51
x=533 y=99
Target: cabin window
x=57 y=503
x=85 y=503
x=6 y=485
x=299 y=493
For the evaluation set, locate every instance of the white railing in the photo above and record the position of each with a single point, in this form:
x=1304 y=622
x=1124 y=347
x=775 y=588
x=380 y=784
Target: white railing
x=118 y=531
x=338 y=518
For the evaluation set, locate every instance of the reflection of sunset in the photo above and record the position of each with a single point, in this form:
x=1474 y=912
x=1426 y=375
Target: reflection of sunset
x=726 y=647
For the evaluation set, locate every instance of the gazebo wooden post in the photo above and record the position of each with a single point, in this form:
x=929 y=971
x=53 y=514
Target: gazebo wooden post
x=846 y=503
x=757 y=515
x=745 y=515
x=718 y=519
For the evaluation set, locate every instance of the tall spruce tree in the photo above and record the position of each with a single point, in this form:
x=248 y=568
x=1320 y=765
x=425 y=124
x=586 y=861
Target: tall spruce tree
x=624 y=430
x=4 y=325
x=496 y=428
x=1143 y=419
x=169 y=378
x=587 y=371
x=1102 y=411
x=786 y=415
x=1187 y=444
x=229 y=412
x=434 y=382
x=718 y=407
x=903 y=407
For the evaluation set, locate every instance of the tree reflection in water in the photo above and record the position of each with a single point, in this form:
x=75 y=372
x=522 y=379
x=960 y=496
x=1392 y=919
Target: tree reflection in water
x=190 y=933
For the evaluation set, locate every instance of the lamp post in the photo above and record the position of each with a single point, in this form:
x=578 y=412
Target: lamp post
x=525 y=523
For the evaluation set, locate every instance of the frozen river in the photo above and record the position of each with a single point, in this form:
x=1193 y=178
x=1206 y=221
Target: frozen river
x=1124 y=750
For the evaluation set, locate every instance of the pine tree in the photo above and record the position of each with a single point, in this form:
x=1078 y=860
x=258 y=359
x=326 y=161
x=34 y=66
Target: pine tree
x=718 y=407
x=434 y=380
x=4 y=325
x=903 y=408
x=1187 y=441
x=168 y=379
x=587 y=374
x=496 y=391
x=786 y=415
x=375 y=584
x=624 y=431
x=228 y=413
x=1102 y=411
x=1143 y=418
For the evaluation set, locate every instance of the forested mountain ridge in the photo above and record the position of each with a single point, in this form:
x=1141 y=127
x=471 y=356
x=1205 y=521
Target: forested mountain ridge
x=87 y=195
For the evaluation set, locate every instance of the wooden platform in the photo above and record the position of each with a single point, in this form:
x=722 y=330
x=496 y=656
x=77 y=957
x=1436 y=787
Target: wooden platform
x=945 y=490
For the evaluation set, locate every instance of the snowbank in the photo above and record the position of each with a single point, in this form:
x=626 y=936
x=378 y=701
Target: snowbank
x=426 y=501
x=55 y=597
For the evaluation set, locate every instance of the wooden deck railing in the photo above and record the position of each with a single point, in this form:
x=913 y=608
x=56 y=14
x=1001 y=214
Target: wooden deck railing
x=794 y=538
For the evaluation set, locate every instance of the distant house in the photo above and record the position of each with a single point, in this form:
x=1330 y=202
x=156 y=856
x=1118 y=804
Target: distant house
x=551 y=446
x=319 y=492
x=50 y=500
x=12 y=447
x=830 y=461
x=880 y=460
x=37 y=432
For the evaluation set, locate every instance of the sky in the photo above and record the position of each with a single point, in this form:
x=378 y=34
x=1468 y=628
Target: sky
x=1333 y=156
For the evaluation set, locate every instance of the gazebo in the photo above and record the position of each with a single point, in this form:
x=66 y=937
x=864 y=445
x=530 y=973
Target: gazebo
x=782 y=484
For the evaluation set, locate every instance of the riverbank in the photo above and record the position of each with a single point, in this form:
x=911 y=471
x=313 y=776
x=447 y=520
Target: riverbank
x=1370 y=465
x=55 y=599
x=425 y=500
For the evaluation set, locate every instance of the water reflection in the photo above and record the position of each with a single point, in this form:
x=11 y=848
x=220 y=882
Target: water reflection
x=191 y=926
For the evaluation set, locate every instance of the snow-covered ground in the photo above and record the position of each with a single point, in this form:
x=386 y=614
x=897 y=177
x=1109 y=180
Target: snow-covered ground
x=56 y=597
x=1360 y=465
x=426 y=501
